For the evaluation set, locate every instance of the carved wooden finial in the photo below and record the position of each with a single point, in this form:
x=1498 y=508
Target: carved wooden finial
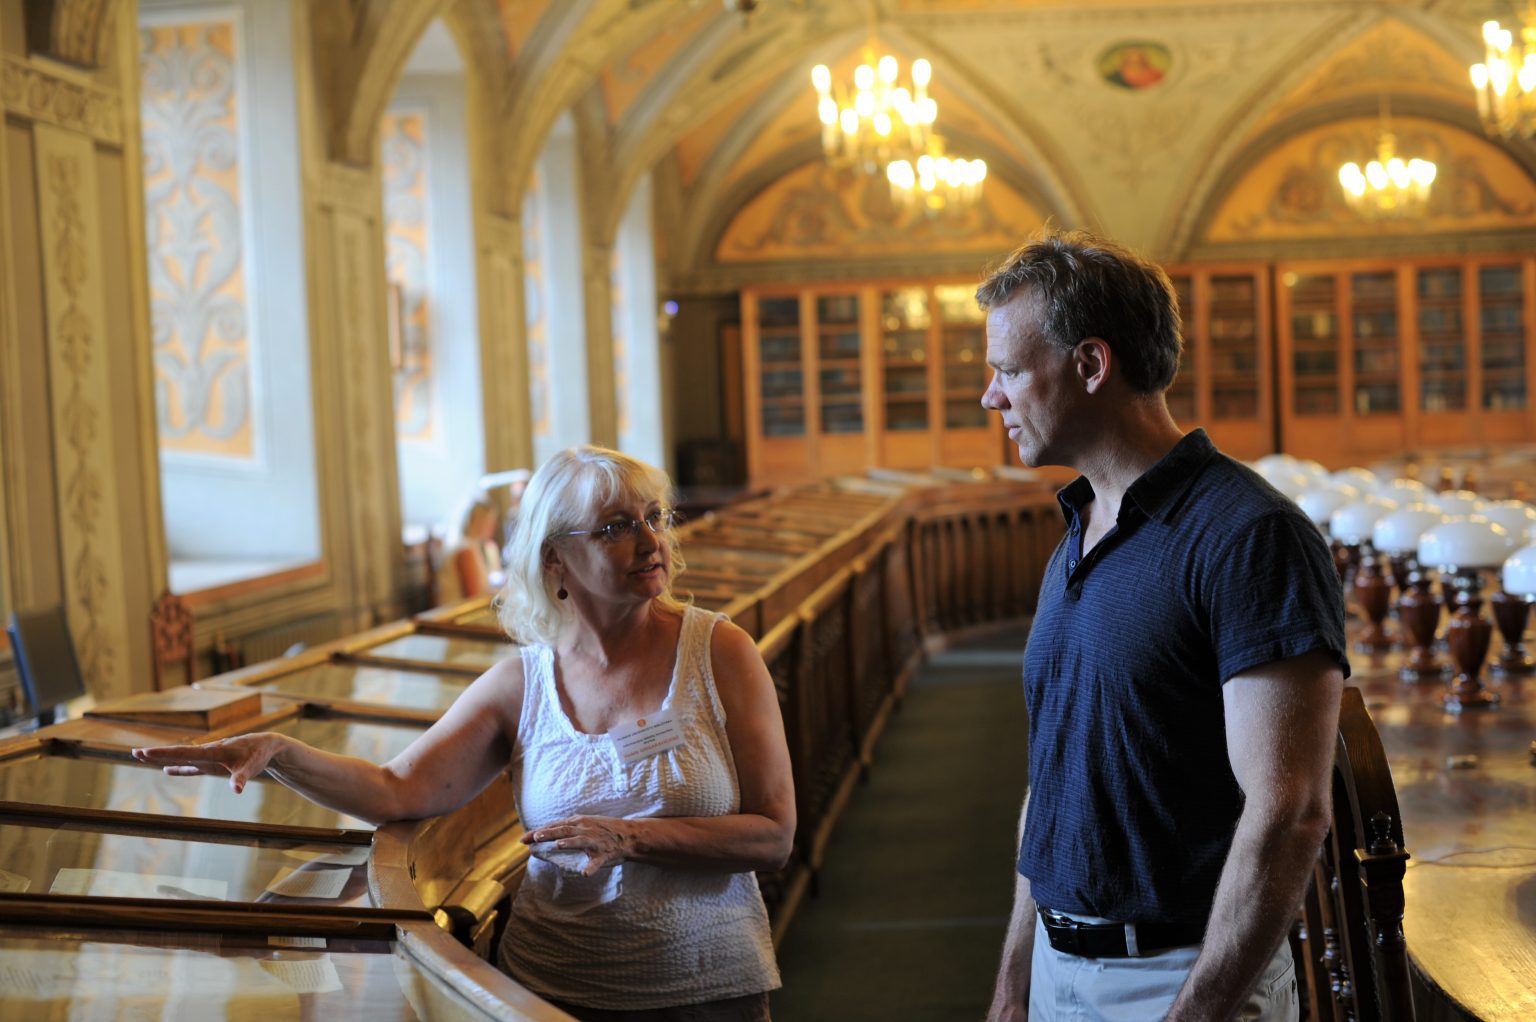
x=1382 y=842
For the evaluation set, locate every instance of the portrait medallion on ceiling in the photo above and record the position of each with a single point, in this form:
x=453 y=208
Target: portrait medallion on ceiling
x=1135 y=65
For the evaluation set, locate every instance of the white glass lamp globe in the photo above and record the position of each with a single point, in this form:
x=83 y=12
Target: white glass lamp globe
x=1515 y=515
x=1287 y=481
x=1520 y=573
x=1273 y=463
x=1362 y=479
x=1397 y=532
x=1320 y=502
x=1352 y=523
x=1314 y=470
x=1462 y=543
x=1404 y=491
x=1459 y=502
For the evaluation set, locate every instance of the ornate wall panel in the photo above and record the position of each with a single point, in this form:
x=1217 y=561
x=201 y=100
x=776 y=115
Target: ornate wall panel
x=205 y=348
x=1293 y=191
x=91 y=542
x=816 y=212
x=404 y=141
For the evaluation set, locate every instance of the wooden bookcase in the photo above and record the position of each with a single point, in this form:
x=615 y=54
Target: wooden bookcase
x=1381 y=356
x=1344 y=361
x=878 y=373
x=1225 y=382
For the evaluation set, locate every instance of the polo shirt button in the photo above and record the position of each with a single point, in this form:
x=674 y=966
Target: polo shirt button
x=1071 y=564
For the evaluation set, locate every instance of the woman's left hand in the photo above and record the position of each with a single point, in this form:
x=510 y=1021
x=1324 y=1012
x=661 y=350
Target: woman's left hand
x=607 y=840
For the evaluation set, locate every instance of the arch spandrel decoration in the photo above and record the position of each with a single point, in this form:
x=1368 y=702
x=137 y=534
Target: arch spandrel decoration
x=818 y=212
x=1293 y=192
x=1389 y=55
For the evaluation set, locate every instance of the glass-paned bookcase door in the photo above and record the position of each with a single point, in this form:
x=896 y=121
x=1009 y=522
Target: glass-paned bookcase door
x=1373 y=315
x=963 y=333
x=1182 y=402
x=1501 y=305
x=905 y=320
x=1315 y=345
x=1442 y=341
x=838 y=363
x=1234 y=347
x=782 y=367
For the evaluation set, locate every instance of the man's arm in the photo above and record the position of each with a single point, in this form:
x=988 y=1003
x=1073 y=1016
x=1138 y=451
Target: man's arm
x=1010 y=996
x=1282 y=723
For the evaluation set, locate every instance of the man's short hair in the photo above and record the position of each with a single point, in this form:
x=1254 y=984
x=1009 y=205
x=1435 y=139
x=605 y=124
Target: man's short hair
x=1088 y=286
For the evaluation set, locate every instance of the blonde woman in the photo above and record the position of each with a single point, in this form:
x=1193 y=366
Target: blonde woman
x=646 y=749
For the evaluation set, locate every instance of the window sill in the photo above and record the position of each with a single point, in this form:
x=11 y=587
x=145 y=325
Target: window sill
x=202 y=583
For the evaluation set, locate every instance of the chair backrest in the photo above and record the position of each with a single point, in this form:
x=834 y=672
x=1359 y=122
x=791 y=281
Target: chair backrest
x=1354 y=959
x=170 y=630
x=45 y=660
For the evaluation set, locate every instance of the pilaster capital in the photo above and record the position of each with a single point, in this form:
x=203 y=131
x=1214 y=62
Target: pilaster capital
x=37 y=92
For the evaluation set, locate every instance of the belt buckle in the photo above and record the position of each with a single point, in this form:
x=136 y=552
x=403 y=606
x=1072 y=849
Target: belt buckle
x=1068 y=930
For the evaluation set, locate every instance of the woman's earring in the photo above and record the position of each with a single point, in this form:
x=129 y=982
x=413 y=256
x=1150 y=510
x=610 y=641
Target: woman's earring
x=560 y=593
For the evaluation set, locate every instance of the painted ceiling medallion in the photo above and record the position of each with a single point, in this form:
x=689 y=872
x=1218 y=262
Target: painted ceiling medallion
x=1135 y=65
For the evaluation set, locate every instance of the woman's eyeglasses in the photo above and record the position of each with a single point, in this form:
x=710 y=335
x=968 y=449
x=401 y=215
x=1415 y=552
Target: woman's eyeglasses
x=658 y=521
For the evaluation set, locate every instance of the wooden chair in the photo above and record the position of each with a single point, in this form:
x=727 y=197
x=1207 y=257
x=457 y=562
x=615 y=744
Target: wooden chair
x=46 y=661
x=170 y=629
x=1352 y=959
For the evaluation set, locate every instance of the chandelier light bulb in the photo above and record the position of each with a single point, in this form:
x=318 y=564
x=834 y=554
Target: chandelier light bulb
x=826 y=110
x=887 y=69
x=864 y=78
x=821 y=79
x=922 y=73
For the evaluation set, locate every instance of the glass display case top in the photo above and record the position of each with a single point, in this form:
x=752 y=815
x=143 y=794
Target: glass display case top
x=94 y=859
x=107 y=975
x=451 y=651
x=125 y=786
x=374 y=741
x=381 y=686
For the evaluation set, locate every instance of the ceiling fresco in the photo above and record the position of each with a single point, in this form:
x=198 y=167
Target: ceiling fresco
x=1132 y=116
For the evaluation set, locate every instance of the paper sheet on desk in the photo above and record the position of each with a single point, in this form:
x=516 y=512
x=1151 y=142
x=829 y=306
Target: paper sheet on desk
x=108 y=883
x=309 y=883
x=304 y=976
x=354 y=856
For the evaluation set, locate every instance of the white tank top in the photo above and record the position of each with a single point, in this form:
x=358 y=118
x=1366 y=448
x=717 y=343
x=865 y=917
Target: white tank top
x=634 y=936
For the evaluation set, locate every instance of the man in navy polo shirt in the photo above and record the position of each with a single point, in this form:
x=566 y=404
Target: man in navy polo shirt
x=1183 y=670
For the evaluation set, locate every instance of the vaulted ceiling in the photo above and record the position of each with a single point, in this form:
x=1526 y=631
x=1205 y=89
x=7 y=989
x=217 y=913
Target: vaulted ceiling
x=720 y=105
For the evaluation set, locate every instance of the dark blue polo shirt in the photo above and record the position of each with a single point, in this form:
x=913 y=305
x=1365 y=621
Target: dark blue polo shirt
x=1208 y=572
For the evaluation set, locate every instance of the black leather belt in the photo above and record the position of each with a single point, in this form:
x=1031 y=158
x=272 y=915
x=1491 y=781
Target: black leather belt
x=1107 y=940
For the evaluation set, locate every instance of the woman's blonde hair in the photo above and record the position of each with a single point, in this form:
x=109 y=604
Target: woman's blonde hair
x=565 y=495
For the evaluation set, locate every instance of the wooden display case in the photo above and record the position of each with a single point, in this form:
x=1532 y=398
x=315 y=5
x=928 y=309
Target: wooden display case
x=1377 y=357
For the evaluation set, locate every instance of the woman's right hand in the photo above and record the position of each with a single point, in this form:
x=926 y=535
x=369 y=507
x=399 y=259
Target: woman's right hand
x=241 y=757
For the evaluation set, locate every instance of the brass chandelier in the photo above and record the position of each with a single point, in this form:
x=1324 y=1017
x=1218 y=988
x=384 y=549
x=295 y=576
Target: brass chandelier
x=1389 y=187
x=880 y=118
x=1506 y=78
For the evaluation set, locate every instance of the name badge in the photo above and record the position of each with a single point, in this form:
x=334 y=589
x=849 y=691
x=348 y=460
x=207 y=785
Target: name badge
x=645 y=737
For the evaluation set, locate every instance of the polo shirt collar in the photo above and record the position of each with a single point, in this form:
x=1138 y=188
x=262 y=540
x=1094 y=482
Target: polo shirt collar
x=1158 y=488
